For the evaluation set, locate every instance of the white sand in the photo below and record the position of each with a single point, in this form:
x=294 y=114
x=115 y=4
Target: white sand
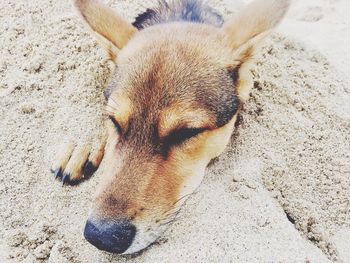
x=289 y=155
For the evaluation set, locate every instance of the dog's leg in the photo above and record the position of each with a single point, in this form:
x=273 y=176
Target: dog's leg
x=74 y=164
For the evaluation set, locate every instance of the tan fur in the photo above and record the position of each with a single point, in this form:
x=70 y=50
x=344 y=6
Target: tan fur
x=75 y=166
x=112 y=30
x=62 y=157
x=171 y=77
x=149 y=190
x=245 y=82
x=119 y=106
x=258 y=17
x=96 y=156
x=179 y=115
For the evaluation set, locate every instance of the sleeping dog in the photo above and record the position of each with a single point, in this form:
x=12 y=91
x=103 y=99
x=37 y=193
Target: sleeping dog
x=181 y=77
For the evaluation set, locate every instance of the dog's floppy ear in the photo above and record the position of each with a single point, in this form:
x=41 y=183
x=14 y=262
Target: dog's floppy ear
x=246 y=29
x=111 y=30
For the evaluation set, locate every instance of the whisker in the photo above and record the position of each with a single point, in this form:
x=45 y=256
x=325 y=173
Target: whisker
x=107 y=113
x=178 y=200
x=169 y=211
x=184 y=197
x=172 y=213
x=111 y=106
x=168 y=222
x=108 y=110
x=116 y=103
x=238 y=60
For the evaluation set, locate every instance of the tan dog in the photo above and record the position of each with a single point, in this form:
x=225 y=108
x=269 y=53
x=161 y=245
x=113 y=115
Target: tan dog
x=182 y=75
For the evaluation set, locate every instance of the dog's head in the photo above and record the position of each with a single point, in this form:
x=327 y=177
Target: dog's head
x=172 y=104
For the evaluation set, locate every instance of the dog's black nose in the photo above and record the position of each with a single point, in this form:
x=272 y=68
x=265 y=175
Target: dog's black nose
x=111 y=236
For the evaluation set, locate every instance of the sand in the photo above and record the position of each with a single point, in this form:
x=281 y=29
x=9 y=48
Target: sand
x=279 y=193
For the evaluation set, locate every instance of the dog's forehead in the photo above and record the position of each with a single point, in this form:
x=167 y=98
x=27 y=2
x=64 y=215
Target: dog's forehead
x=181 y=47
x=158 y=70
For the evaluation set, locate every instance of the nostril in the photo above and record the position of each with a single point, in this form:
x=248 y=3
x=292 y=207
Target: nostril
x=108 y=235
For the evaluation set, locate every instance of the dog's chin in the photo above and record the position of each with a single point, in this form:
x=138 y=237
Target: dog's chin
x=145 y=237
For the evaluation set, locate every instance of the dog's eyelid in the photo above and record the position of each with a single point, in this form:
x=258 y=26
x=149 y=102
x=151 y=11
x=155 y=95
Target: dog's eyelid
x=180 y=135
x=115 y=123
x=194 y=129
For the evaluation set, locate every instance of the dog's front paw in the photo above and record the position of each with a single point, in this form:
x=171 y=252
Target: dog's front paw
x=76 y=163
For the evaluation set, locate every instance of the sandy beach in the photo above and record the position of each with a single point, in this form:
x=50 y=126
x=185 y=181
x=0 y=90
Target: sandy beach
x=279 y=193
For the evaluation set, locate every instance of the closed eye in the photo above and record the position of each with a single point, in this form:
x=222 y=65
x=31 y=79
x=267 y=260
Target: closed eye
x=116 y=124
x=179 y=136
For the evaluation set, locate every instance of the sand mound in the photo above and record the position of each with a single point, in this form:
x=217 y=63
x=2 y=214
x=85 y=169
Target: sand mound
x=279 y=193
x=298 y=124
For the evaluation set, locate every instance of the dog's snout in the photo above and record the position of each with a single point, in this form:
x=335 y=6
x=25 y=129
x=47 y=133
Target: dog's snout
x=113 y=236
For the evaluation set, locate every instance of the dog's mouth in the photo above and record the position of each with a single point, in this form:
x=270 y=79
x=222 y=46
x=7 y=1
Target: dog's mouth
x=144 y=238
x=123 y=236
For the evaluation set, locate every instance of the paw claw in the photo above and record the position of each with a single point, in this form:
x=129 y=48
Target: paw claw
x=89 y=169
x=57 y=173
x=65 y=179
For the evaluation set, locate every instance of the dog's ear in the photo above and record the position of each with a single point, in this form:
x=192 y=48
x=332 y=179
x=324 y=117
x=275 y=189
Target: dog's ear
x=250 y=26
x=111 y=30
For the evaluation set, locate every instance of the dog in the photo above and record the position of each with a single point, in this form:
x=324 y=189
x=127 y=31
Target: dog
x=181 y=77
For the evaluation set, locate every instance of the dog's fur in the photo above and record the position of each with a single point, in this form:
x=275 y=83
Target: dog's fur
x=181 y=79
